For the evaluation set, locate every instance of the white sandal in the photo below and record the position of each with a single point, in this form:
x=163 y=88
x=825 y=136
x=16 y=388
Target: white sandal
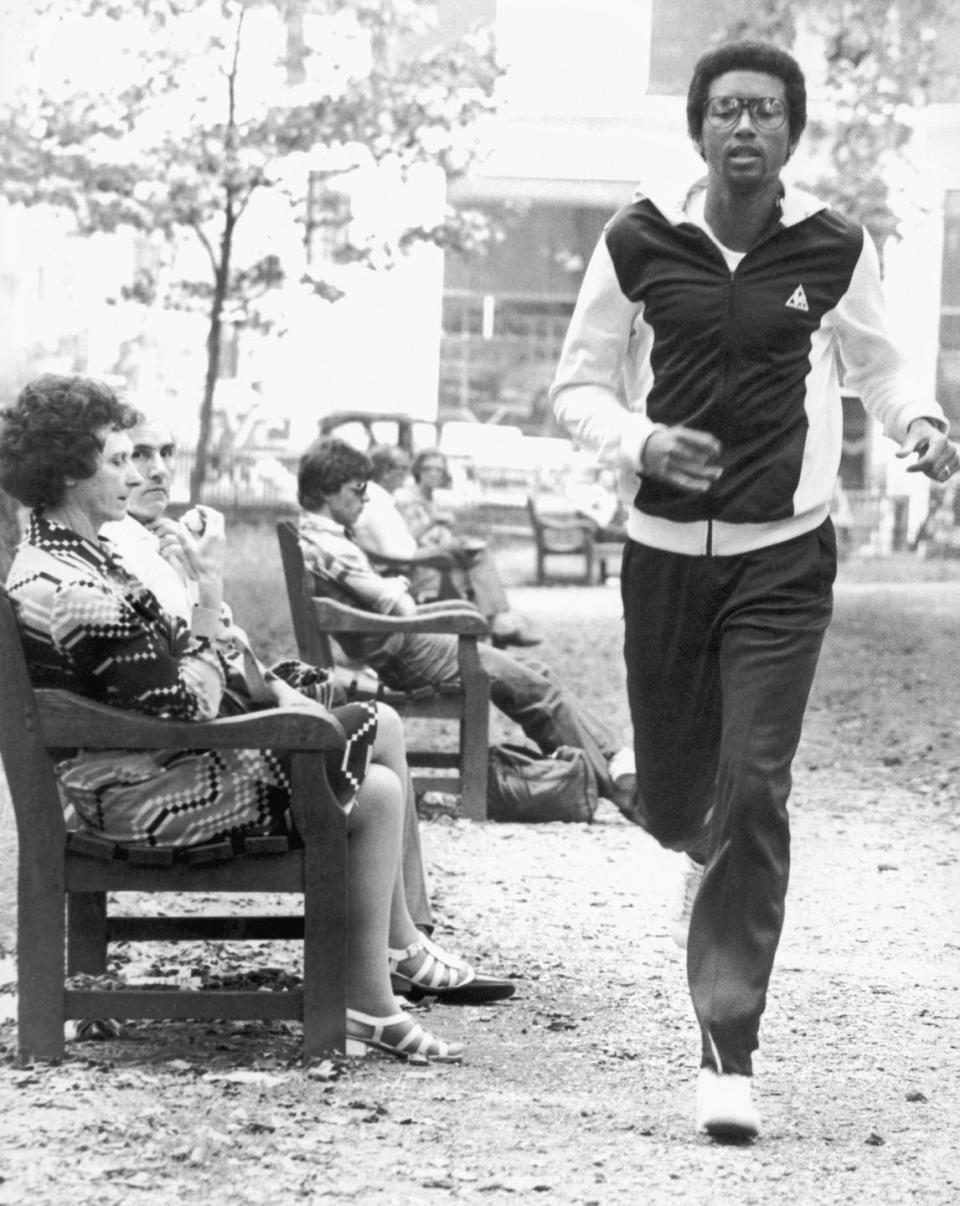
x=366 y=1033
x=436 y=973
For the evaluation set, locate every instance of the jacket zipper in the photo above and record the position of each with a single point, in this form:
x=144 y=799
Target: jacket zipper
x=726 y=377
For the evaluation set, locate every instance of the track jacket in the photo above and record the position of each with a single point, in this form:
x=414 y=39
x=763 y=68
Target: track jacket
x=665 y=333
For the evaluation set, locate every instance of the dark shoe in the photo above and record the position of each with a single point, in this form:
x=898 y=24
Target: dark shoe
x=92 y=1030
x=481 y=990
x=425 y=969
x=523 y=640
x=624 y=795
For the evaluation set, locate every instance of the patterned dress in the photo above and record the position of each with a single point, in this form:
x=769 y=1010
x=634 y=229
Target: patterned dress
x=90 y=627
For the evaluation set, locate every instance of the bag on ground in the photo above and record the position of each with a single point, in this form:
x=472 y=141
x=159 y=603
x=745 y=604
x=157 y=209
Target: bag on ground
x=525 y=785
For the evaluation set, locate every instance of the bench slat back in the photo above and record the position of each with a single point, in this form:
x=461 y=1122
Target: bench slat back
x=26 y=761
x=313 y=646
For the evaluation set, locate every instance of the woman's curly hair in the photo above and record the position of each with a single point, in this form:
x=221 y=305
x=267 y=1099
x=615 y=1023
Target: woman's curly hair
x=50 y=435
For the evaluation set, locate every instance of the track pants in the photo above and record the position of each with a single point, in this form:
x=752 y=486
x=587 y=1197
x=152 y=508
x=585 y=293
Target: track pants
x=720 y=655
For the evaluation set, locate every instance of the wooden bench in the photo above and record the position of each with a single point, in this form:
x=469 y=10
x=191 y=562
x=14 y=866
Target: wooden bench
x=572 y=536
x=316 y=619
x=64 y=923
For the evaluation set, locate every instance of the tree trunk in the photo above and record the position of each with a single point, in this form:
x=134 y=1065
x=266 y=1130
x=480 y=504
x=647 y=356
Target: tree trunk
x=198 y=474
x=214 y=341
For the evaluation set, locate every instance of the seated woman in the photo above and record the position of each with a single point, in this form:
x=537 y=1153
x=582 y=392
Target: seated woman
x=91 y=628
x=434 y=528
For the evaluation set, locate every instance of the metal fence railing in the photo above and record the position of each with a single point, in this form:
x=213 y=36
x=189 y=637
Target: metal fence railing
x=253 y=478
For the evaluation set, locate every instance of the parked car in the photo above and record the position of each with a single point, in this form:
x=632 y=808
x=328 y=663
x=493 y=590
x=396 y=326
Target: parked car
x=365 y=428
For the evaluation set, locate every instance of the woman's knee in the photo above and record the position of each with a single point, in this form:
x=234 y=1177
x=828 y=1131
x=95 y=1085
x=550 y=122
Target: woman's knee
x=390 y=745
x=381 y=795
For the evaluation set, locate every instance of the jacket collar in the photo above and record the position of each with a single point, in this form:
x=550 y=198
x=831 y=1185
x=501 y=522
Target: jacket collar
x=314 y=521
x=796 y=204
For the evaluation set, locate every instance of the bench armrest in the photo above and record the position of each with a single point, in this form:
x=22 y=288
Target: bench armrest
x=558 y=523
x=442 y=559
x=68 y=720
x=458 y=620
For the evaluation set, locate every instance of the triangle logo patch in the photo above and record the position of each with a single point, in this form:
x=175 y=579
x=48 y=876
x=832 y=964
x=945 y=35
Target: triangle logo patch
x=798 y=300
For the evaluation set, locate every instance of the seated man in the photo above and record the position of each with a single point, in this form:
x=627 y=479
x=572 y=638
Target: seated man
x=381 y=530
x=151 y=548
x=474 y=574
x=332 y=485
x=599 y=502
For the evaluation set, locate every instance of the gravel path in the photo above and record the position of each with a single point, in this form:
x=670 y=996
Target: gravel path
x=581 y=1089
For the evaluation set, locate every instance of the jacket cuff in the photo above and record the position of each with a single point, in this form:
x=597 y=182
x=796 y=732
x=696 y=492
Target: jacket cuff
x=637 y=431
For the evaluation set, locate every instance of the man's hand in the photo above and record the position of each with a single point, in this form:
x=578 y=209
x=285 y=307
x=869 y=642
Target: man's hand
x=197 y=550
x=937 y=457
x=683 y=457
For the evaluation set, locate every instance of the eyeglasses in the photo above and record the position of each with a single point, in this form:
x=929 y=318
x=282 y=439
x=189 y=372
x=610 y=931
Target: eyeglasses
x=359 y=492
x=766 y=112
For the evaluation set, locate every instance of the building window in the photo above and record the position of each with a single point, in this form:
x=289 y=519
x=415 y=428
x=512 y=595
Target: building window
x=498 y=354
x=327 y=221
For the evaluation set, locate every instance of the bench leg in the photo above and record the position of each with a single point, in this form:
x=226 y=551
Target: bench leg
x=325 y=951
x=40 y=990
x=474 y=764
x=86 y=933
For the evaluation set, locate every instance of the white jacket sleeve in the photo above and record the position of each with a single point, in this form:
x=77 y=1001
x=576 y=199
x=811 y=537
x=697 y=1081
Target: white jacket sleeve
x=876 y=368
x=591 y=396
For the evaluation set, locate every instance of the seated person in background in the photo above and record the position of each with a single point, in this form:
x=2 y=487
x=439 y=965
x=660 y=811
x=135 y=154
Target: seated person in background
x=90 y=627
x=155 y=550
x=332 y=484
x=433 y=527
x=599 y=502
x=381 y=530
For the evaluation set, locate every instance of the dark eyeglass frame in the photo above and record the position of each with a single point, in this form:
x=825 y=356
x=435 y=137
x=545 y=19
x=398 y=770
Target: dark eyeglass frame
x=767 y=122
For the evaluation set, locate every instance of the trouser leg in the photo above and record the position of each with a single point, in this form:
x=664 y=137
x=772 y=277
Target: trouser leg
x=414 y=874
x=532 y=696
x=488 y=590
x=738 y=914
x=526 y=691
x=673 y=688
x=734 y=642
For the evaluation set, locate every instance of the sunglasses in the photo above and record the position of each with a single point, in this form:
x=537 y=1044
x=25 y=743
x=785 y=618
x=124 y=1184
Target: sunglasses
x=766 y=112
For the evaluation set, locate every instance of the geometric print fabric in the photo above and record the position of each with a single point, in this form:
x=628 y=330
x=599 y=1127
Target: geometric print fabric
x=90 y=628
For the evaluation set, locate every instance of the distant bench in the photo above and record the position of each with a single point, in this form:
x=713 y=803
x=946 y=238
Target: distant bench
x=572 y=537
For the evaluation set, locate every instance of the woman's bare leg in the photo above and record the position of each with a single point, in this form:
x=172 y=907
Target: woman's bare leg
x=390 y=750
x=374 y=830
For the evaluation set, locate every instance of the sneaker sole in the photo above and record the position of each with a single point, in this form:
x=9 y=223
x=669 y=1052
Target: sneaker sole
x=730 y=1132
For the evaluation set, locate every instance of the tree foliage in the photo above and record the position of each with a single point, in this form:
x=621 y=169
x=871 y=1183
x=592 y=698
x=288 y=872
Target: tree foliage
x=190 y=127
x=879 y=60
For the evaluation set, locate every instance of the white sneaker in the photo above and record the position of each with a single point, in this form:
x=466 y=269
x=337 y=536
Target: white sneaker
x=688 y=885
x=725 y=1108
